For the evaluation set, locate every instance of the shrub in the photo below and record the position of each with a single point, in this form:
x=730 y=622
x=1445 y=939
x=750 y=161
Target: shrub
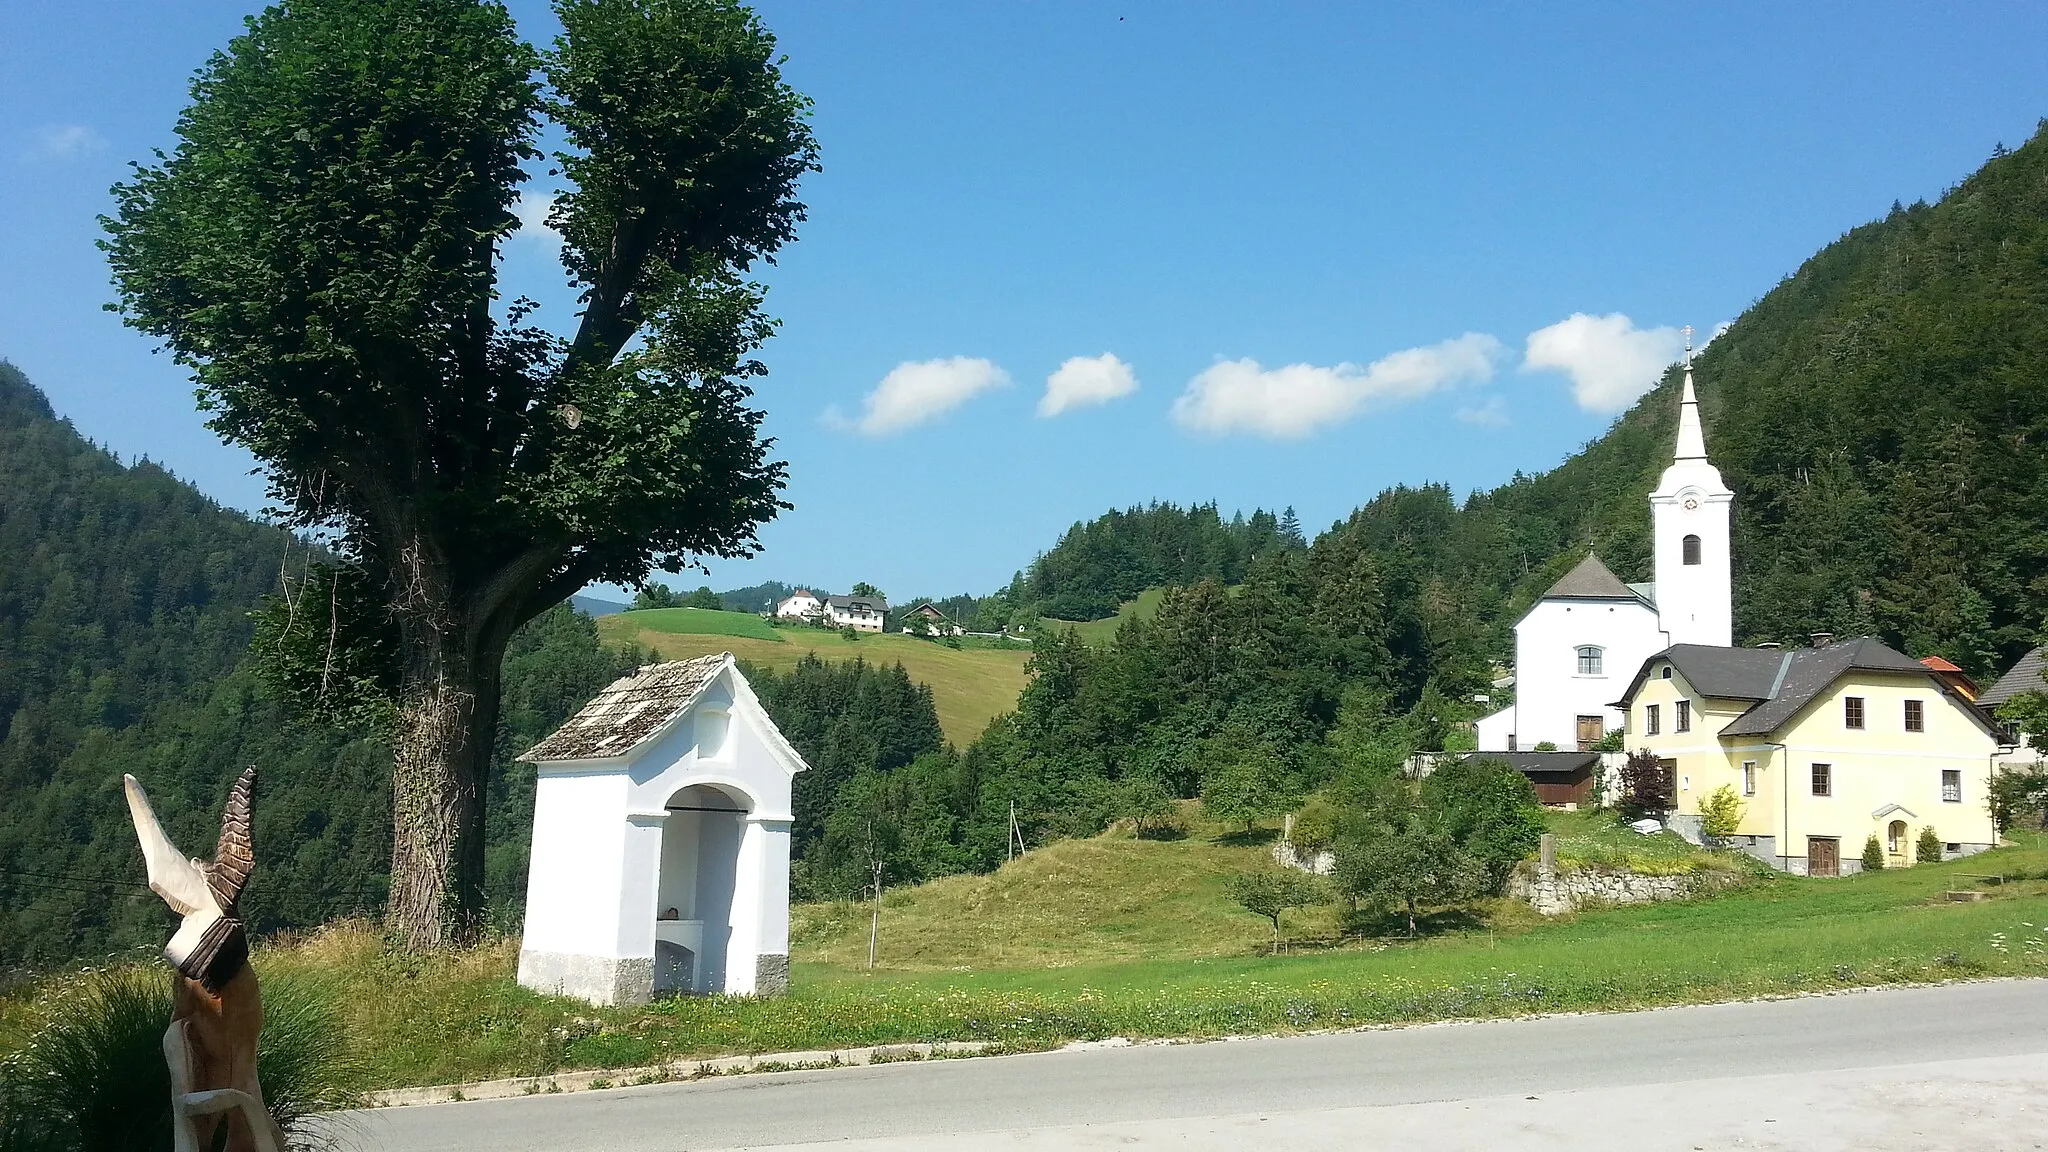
x=1873 y=855
x=1545 y=746
x=1928 y=849
x=1315 y=826
x=1489 y=809
x=1647 y=786
x=94 y=1077
x=2017 y=795
x=1720 y=813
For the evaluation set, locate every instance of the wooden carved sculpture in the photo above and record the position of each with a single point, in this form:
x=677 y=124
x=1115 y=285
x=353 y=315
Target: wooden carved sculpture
x=217 y=1012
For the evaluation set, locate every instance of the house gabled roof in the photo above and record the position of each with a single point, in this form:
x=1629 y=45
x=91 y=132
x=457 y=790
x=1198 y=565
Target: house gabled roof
x=2029 y=675
x=871 y=603
x=1590 y=580
x=631 y=711
x=1543 y=764
x=1780 y=683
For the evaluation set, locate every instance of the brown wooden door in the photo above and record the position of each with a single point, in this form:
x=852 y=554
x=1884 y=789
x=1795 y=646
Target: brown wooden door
x=1823 y=856
x=1592 y=730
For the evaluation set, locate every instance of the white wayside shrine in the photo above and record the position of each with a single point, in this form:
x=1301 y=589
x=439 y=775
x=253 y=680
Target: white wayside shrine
x=1578 y=647
x=661 y=842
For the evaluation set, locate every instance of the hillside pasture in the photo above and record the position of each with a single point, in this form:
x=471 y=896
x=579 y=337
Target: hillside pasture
x=1098 y=633
x=702 y=622
x=970 y=685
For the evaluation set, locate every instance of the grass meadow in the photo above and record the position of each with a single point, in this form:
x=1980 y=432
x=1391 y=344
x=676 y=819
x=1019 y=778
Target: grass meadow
x=1120 y=937
x=971 y=685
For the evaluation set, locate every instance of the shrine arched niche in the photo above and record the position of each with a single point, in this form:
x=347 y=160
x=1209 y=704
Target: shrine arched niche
x=700 y=849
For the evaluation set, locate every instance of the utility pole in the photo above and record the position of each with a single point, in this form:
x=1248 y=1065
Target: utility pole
x=1016 y=844
x=874 y=911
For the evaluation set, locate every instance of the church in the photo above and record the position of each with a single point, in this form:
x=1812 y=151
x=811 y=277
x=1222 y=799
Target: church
x=1580 y=645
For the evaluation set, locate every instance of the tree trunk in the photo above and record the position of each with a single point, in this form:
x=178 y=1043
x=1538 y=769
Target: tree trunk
x=442 y=745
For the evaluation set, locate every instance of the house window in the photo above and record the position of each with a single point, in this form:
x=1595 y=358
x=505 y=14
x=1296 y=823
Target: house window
x=1823 y=780
x=1916 y=716
x=1951 y=785
x=1690 y=547
x=1749 y=777
x=1650 y=720
x=1852 y=711
x=1681 y=716
x=1589 y=661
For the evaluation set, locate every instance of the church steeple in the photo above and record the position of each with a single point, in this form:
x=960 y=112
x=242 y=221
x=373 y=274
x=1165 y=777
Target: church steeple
x=1689 y=511
x=1692 y=443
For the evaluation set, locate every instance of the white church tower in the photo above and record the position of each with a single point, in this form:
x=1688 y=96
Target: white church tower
x=1689 y=511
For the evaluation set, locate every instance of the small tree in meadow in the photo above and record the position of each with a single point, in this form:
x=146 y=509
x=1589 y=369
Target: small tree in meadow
x=1394 y=857
x=1270 y=892
x=1647 y=787
x=1720 y=814
x=1487 y=807
x=1873 y=855
x=1928 y=849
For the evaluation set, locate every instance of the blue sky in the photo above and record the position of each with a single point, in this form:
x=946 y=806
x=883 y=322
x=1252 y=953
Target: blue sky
x=1070 y=256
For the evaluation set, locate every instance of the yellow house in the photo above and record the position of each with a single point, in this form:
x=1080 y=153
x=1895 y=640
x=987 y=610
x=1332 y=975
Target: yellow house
x=1825 y=746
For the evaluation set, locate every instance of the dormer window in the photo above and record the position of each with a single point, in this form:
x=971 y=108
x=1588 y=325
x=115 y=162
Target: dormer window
x=1689 y=549
x=1590 y=661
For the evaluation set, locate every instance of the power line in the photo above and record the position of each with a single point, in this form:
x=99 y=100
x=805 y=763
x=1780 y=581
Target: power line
x=74 y=879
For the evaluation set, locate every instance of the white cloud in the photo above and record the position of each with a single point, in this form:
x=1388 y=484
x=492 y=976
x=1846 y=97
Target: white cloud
x=1292 y=402
x=532 y=209
x=67 y=142
x=1086 y=380
x=917 y=391
x=1609 y=359
x=1489 y=413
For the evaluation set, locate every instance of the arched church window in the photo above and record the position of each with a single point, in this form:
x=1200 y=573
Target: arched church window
x=1589 y=660
x=1691 y=549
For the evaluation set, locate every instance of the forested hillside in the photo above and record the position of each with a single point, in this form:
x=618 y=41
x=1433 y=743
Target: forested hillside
x=124 y=647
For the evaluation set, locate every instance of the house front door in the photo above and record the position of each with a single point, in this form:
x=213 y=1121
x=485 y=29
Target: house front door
x=1592 y=730
x=1823 y=856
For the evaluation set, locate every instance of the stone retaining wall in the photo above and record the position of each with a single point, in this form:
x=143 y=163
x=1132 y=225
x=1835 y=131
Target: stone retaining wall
x=1556 y=890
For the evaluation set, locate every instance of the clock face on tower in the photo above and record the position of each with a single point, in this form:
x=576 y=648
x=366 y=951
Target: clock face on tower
x=1692 y=503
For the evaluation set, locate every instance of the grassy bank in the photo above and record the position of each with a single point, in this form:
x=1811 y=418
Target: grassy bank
x=971 y=685
x=449 y=1018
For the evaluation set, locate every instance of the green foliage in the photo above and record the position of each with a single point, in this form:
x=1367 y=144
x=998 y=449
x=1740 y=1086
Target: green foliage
x=1612 y=741
x=863 y=588
x=2018 y=796
x=1873 y=855
x=1489 y=809
x=1242 y=779
x=1099 y=564
x=685 y=621
x=653 y=594
x=93 y=1077
x=1316 y=824
x=2027 y=713
x=1720 y=813
x=1545 y=746
x=1648 y=786
x=1145 y=802
x=1269 y=892
x=705 y=598
x=1395 y=857
x=1927 y=850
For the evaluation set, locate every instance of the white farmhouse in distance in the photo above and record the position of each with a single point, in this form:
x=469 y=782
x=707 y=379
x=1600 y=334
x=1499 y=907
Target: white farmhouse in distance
x=1582 y=643
x=801 y=604
x=660 y=860
x=860 y=613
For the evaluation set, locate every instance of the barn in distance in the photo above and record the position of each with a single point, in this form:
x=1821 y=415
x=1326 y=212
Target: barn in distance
x=661 y=843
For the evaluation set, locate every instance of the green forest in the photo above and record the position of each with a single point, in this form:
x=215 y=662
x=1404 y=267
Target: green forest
x=1880 y=413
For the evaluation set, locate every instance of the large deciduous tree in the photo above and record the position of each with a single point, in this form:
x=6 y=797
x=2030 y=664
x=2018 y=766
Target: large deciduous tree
x=322 y=250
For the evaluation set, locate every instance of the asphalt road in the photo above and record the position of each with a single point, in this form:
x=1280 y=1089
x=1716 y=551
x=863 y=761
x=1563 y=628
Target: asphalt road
x=1963 y=1065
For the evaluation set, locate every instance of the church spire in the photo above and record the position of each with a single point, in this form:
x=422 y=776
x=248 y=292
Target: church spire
x=1692 y=444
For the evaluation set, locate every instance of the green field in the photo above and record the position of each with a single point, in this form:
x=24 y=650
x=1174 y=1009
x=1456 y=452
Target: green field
x=1098 y=633
x=699 y=622
x=1120 y=937
x=971 y=685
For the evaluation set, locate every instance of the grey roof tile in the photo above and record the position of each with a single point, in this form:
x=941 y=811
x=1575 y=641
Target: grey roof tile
x=631 y=710
x=2029 y=675
x=1590 y=580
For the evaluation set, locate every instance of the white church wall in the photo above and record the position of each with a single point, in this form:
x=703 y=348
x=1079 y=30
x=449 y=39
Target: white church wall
x=1550 y=693
x=572 y=910
x=1696 y=600
x=1494 y=731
